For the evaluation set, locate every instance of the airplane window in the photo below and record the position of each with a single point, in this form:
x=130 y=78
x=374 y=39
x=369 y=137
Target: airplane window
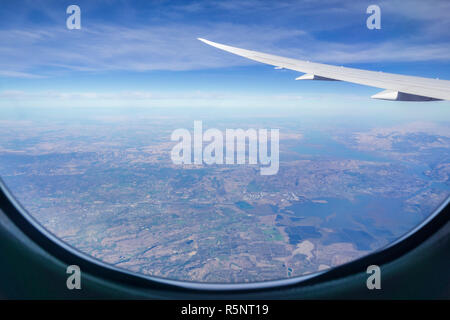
x=136 y=143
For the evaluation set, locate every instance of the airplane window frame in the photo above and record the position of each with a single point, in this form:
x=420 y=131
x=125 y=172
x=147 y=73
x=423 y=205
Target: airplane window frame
x=71 y=255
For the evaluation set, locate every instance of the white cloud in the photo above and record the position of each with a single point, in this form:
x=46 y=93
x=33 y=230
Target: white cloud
x=107 y=47
x=132 y=95
x=148 y=99
x=44 y=51
x=17 y=74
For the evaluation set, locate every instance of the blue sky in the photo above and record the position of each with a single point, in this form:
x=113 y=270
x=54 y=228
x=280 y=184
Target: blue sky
x=145 y=53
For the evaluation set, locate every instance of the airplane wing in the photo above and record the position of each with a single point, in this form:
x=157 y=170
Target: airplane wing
x=397 y=87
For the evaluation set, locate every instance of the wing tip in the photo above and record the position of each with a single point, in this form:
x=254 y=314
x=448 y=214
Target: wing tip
x=211 y=43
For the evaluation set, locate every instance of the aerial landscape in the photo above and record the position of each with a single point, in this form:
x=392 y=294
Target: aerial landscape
x=91 y=94
x=105 y=185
